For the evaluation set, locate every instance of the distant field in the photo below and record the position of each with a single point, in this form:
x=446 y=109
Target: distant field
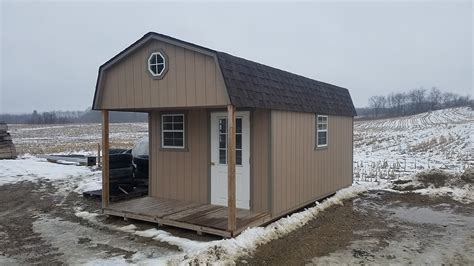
x=398 y=147
x=70 y=138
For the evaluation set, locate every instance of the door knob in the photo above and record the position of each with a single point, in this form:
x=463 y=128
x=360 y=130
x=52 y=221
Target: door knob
x=212 y=163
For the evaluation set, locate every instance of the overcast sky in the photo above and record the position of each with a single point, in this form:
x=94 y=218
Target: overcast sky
x=50 y=52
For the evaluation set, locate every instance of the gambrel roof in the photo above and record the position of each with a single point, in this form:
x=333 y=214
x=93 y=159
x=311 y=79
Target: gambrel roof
x=254 y=85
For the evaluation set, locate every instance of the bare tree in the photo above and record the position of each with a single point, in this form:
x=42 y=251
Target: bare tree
x=434 y=98
x=377 y=103
x=397 y=102
x=449 y=99
x=417 y=99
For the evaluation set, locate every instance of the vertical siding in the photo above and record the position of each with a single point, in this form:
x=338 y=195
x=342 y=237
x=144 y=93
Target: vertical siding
x=302 y=174
x=193 y=79
x=260 y=130
x=181 y=175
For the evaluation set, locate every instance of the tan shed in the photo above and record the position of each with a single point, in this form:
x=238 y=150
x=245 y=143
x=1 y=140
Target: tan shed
x=233 y=143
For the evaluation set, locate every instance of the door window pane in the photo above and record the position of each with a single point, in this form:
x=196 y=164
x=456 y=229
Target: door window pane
x=223 y=141
x=238 y=141
x=223 y=125
x=238 y=157
x=222 y=156
x=238 y=122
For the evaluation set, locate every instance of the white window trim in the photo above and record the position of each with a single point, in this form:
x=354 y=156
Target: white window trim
x=157 y=64
x=173 y=130
x=322 y=130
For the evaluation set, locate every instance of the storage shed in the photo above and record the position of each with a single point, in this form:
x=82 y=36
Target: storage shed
x=233 y=143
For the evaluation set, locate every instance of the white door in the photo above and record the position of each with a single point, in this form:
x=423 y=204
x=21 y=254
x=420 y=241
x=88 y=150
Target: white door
x=219 y=159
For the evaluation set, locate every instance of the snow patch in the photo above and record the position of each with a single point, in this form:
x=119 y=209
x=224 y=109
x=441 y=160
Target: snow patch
x=131 y=228
x=91 y=217
x=464 y=194
x=63 y=176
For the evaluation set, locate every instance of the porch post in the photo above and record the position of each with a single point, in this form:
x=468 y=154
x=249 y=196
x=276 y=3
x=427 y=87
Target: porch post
x=105 y=158
x=231 y=220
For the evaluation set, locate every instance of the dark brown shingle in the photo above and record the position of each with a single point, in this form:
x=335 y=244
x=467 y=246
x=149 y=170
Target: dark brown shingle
x=250 y=84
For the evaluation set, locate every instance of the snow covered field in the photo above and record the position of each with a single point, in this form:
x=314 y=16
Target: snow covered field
x=399 y=148
x=384 y=149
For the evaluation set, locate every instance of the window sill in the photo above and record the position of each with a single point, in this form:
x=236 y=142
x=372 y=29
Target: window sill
x=321 y=148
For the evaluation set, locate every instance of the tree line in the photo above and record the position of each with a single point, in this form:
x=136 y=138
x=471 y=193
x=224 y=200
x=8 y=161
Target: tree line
x=413 y=102
x=64 y=117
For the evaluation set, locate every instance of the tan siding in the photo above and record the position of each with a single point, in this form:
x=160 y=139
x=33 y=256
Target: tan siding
x=260 y=162
x=302 y=174
x=193 y=79
x=181 y=175
x=151 y=170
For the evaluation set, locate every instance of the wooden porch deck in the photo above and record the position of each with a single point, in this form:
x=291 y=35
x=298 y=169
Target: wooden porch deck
x=199 y=217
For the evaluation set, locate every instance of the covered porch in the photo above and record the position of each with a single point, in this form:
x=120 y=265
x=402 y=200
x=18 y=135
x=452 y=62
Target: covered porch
x=202 y=218
x=182 y=197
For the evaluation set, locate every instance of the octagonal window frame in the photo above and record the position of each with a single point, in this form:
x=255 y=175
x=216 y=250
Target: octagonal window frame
x=165 y=64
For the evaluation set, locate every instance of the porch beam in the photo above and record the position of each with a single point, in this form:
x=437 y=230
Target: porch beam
x=105 y=159
x=231 y=206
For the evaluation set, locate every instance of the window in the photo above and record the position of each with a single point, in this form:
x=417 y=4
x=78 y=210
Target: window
x=157 y=64
x=172 y=131
x=321 y=131
x=223 y=141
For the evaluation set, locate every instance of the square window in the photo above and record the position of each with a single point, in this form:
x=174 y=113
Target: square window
x=172 y=131
x=321 y=131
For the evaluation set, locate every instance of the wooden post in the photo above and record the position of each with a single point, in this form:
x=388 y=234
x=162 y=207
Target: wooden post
x=105 y=158
x=231 y=220
x=98 y=155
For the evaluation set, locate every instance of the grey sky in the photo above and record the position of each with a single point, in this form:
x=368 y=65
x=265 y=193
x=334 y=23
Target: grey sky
x=50 y=52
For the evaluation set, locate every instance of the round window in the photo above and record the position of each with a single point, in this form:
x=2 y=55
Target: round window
x=157 y=64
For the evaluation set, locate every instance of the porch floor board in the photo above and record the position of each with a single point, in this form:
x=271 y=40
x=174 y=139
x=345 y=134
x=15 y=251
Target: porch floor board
x=189 y=215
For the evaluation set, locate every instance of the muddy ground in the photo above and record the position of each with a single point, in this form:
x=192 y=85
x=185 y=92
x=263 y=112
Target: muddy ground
x=38 y=225
x=379 y=227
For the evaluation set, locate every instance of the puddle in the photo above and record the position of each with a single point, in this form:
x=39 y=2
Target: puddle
x=426 y=215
